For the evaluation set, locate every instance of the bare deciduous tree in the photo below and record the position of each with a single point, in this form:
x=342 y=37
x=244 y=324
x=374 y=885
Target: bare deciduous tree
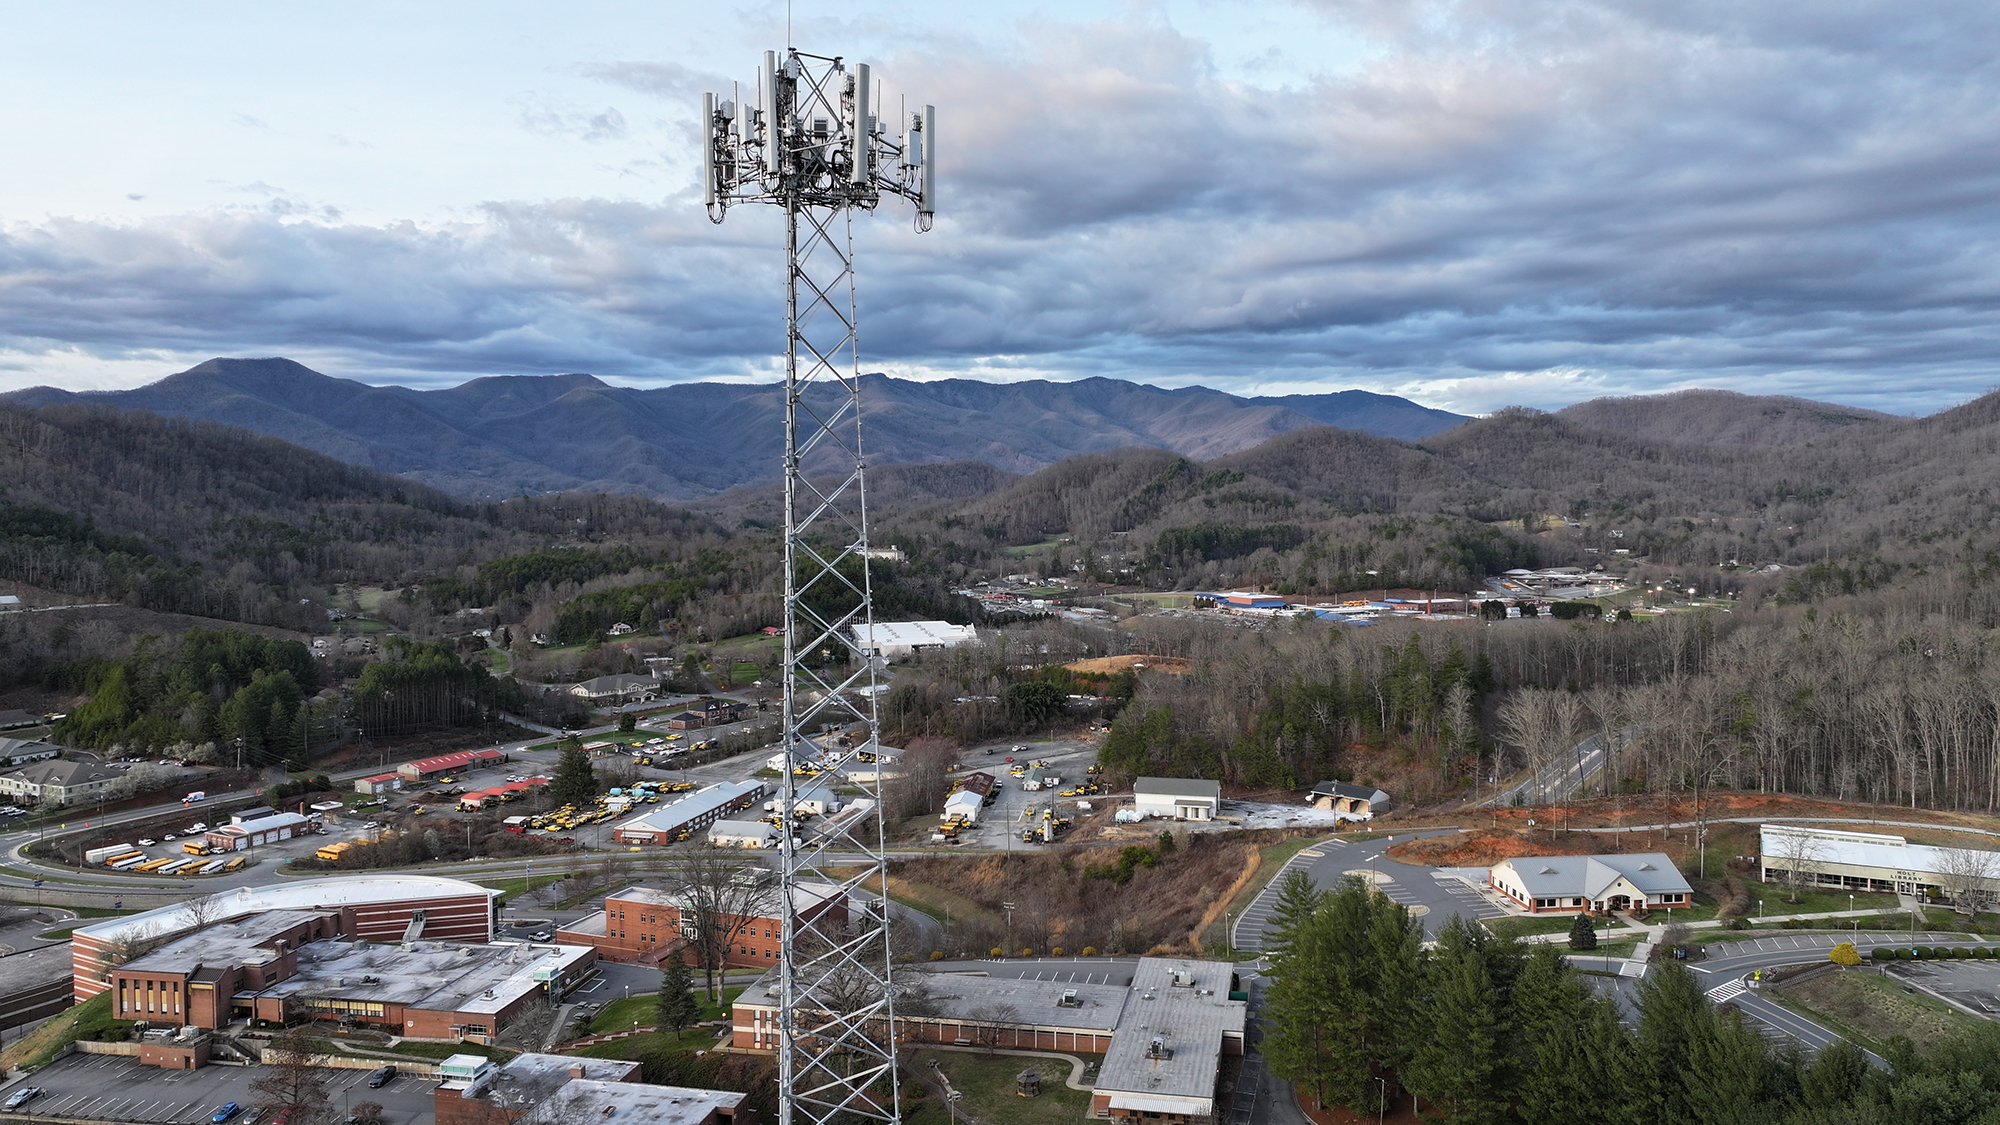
x=720 y=898
x=988 y=1024
x=1970 y=877
x=293 y=1079
x=1799 y=851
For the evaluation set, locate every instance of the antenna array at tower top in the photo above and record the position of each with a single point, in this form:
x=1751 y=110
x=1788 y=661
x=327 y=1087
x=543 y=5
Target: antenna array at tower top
x=815 y=138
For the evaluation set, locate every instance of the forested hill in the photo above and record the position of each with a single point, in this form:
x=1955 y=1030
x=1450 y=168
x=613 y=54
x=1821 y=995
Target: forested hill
x=1719 y=417
x=500 y=437
x=1850 y=499
x=200 y=518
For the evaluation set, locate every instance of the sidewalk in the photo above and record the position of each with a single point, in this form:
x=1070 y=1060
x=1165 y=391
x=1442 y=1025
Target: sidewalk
x=1649 y=934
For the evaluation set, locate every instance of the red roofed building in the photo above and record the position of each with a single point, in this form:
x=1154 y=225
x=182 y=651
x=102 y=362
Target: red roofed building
x=430 y=768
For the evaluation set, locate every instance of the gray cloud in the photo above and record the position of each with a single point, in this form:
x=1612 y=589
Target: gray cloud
x=1505 y=202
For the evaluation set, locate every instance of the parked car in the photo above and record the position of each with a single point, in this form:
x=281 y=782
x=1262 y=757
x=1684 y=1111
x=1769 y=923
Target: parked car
x=543 y=935
x=228 y=1110
x=149 y=842
x=23 y=1096
x=382 y=1077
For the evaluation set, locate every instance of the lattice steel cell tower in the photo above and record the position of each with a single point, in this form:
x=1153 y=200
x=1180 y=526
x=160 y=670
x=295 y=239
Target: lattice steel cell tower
x=814 y=146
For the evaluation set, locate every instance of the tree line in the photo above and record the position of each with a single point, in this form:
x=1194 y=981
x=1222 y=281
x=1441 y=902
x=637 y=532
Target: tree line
x=1486 y=1030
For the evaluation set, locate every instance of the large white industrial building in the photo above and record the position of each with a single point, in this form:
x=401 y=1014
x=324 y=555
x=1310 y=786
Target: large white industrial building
x=899 y=640
x=1873 y=861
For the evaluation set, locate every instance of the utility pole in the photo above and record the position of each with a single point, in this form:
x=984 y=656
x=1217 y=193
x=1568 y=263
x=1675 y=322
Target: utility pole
x=814 y=144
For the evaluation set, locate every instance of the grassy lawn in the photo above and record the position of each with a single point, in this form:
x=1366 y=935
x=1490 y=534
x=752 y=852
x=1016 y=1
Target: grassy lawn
x=442 y=1051
x=57 y=935
x=620 y=1015
x=513 y=889
x=988 y=1086
x=744 y=672
x=1869 y=1009
x=88 y=1020
x=1525 y=927
x=1772 y=901
x=499 y=662
x=1029 y=549
x=1615 y=948
x=653 y=1043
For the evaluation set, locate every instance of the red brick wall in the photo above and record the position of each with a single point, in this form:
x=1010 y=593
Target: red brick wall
x=635 y=929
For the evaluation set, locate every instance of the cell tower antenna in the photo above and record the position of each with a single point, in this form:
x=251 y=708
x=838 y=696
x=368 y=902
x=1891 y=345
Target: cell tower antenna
x=811 y=147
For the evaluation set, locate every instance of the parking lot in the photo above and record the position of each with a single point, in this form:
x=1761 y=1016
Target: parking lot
x=1001 y=822
x=117 y=1088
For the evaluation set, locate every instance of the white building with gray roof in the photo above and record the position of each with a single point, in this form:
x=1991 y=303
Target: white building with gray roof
x=1167 y=1055
x=1182 y=798
x=1543 y=884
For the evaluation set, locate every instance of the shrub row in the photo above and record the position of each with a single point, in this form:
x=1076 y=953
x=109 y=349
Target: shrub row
x=1934 y=953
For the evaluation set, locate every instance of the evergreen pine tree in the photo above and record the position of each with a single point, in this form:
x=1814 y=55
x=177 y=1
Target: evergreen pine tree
x=1296 y=1006
x=1298 y=900
x=677 y=1008
x=1582 y=934
x=1835 y=1077
x=1396 y=946
x=575 y=783
x=1672 y=1012
x=1460 y=1066
x=1723 y=1078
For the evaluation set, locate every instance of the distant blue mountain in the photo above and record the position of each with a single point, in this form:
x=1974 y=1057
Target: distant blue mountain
x=506 y=436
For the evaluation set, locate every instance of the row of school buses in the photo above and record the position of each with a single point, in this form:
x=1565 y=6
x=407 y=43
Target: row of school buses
x=140 y=863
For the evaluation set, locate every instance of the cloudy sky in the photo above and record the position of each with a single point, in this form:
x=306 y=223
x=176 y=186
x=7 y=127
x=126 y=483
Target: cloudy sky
x=1473 y=204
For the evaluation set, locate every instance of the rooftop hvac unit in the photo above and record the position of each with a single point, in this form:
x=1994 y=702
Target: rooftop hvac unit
x=1183 y=979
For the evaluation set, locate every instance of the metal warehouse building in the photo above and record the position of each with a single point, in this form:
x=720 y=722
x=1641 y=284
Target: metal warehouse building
x=430 y=768
x=690 y=814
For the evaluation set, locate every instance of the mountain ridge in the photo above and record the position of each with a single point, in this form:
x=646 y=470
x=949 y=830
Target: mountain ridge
x=498 y=436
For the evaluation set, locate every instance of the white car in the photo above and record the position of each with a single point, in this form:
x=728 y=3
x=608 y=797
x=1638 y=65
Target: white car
x=370 y=824
x=170 y=836
x=147 y=843
x=197 y=826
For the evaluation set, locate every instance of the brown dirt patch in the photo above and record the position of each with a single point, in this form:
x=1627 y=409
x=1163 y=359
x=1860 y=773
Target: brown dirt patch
x=1055 y=904
x=1485 y=847
x=1105 y=665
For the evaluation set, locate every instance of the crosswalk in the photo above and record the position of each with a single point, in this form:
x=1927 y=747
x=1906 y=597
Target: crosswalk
x=1727 y=991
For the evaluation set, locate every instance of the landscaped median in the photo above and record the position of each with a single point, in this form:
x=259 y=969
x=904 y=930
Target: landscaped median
x=1871 y=1010
x=1935 y=953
